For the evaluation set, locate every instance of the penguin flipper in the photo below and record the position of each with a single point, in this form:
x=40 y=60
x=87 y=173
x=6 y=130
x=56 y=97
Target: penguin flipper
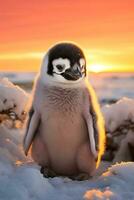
x=92 y=132
x=94 y=127
x=98 y=127
x=95 y=124
x=32 y=127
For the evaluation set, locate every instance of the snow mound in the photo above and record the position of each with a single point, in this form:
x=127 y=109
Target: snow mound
x=13 y=104
x=12 y=97
x=119 y=120
x=115 y=184
x=116 y=114
x=13 y=101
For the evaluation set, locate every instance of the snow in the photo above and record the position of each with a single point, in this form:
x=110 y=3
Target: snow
x=116 y=114
x=20 y=178
x=119 y=121
x=12 y=97
x=23 y=77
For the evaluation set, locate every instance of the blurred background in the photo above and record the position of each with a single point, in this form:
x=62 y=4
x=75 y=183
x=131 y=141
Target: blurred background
x=104 y=29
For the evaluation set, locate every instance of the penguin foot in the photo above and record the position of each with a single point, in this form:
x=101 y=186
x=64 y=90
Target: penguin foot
x=80 y=177
x=47 y=173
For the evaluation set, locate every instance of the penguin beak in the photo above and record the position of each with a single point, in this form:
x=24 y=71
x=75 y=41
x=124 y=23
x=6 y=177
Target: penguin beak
x=73 y=73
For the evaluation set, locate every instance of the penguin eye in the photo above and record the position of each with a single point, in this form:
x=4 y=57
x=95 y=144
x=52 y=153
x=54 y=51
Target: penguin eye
x=60 y=67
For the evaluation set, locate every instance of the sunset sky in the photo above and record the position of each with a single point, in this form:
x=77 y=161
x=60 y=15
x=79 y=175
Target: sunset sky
x=103 y=28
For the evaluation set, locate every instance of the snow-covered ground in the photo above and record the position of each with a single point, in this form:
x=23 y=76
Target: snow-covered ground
x=20 y=178
x=23 y=77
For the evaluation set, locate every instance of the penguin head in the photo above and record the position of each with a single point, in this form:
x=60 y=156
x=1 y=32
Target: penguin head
x=64 y=63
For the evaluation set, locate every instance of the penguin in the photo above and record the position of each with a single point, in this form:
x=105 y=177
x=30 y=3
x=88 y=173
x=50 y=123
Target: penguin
x=65 y=129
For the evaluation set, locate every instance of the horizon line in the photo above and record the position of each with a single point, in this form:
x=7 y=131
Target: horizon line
x=32 y=71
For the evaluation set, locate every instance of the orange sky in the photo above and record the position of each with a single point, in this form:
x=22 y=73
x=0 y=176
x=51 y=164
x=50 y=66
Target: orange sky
x=103 y=28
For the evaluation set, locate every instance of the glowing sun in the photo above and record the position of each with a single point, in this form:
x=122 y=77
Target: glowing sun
x=98 y=68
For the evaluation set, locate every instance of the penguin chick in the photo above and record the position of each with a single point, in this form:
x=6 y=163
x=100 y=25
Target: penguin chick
x=65 y=126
